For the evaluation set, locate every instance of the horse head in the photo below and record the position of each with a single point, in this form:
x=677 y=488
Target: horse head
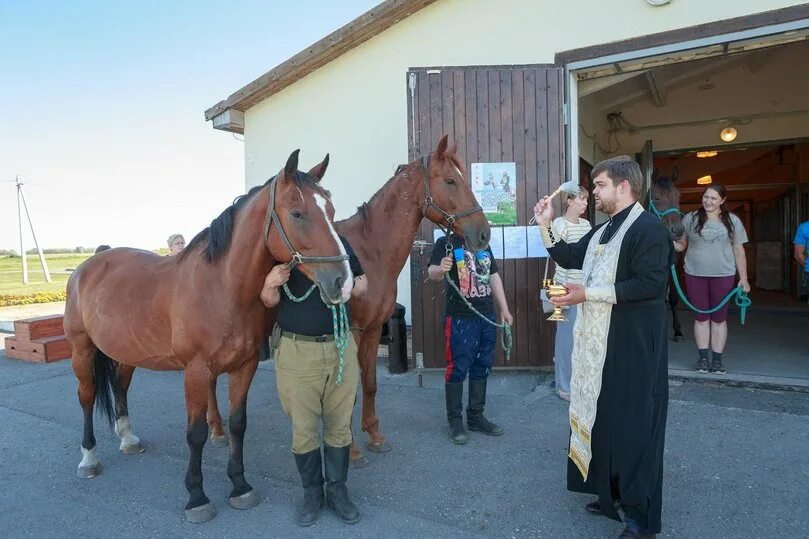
x=450 y=202
x=301 y=229
x=666 y=203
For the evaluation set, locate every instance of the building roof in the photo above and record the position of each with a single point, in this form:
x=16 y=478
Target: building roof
x=353 y=34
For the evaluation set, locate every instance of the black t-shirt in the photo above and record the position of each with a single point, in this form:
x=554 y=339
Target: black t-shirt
x=473 y=282
x=311 y=317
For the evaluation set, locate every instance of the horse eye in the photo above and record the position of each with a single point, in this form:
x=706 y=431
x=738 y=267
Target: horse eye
x=296 y=214
x=450 y=181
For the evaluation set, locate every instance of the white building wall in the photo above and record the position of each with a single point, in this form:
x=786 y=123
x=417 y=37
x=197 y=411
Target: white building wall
x=356 y=108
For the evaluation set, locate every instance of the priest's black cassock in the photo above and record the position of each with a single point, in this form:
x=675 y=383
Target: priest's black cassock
x=630 y=423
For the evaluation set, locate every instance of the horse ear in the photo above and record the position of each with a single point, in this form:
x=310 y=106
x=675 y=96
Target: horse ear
x=442 y=147
x=292 y=164
x=454 y=148
x=319 y=170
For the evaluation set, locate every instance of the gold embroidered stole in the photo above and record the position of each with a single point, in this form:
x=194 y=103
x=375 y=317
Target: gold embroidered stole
x=590 y=341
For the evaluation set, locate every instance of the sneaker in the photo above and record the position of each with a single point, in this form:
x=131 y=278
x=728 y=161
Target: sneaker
x=562 y=395
x=717 y=367
x=702 y=365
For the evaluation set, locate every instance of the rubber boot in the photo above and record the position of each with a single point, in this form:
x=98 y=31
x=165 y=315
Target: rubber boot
x=336 y=459
x=475 y=419
x=311 y=471
x=454 y=393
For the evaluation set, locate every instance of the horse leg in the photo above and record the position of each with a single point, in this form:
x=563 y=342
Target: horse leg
x=218 y=437
x=82 y=360
x=675 y=318
x=130 y=444
x=368 y=349
x=197 y=385
x=242 y=496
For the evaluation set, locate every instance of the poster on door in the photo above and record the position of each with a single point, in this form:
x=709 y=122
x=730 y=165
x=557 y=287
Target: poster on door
x=495 y=187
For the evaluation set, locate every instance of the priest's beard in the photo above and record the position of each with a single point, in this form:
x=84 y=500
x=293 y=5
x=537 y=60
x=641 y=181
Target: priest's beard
x=605 y=205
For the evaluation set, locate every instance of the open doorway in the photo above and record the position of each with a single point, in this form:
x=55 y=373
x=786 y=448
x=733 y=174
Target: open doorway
x=735 y=114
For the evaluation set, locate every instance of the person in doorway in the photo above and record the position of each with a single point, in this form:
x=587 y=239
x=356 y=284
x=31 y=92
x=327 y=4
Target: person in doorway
x=619 y=387
x=469 y=340
x=714 y=239
x=571 y=228
x=801 y=242
x=307 y=371
x=176 y=244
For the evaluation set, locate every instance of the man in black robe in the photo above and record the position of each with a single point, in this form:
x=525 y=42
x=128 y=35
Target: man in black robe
x=620 y=456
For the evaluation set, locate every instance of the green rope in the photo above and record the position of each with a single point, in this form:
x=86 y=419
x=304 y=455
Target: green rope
x=505 y=337
x=742 y=300
x=339 y=316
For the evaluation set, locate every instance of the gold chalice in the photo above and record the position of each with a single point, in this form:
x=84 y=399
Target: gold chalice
x=555 y=290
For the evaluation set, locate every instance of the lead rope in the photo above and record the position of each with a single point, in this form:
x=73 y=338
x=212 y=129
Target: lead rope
x=743 y=301
x=339 y=316
x=506 y=340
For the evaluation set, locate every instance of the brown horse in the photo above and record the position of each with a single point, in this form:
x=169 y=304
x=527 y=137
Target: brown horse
x=666 y=205
x=382 y=233
x=199 y=312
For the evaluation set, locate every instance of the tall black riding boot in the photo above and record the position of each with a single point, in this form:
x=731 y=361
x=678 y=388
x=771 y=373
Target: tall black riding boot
x=311 y=470
x=336 y=459
x=454 y=394
x=474 y=412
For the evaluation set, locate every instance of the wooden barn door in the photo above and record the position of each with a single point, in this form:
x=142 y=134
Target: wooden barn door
x=509 y=114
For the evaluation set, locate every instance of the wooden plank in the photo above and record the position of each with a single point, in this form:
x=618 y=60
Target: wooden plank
x=530 y=143
x=418 y=273
x=46 y=350
x=556 y=129
x=435 y=296
x=30 y=329
x=459 y=114
x=524 y=287
x=447 y=104
x=483 y=138
x=494 y=155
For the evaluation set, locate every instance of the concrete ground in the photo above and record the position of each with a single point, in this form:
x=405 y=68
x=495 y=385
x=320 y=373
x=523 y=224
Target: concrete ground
x=736 y=464
x=771 y=348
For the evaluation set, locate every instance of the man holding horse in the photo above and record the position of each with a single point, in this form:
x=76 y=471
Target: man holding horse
x=470 y=335
x=619 y=386
x=316 y=371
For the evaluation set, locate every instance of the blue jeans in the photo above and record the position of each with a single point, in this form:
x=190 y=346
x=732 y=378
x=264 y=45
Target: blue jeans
x=563 y=350
x=468 y=348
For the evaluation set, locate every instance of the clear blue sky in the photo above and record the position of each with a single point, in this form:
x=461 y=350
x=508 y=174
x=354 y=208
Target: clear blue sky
x=101 y=109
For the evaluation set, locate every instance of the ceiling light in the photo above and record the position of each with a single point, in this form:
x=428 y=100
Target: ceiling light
x=705 y=180
x=710 y=153
x=728 y=134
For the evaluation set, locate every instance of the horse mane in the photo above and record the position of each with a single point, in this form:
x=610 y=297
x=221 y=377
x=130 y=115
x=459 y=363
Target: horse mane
x=214 y=241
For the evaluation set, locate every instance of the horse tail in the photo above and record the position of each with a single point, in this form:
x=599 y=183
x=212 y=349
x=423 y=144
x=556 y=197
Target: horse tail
x=105 y=374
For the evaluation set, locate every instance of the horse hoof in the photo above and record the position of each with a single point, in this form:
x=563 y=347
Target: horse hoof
x=358 y=463
x=678 y=338
x=133 y=449
x=88 y=472
x=200 y=514
x=248 y=500
x=219 y=441
x=382 y=447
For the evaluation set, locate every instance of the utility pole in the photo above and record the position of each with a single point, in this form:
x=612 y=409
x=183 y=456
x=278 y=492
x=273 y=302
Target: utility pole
x=20 y=206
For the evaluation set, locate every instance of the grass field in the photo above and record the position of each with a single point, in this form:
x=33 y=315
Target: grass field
x=11 y=273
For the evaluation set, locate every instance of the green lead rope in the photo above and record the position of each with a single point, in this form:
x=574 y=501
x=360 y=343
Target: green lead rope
x=743 y=301
x=339 y=316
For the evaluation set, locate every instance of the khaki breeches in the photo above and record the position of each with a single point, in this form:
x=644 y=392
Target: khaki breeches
x=306 y=374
